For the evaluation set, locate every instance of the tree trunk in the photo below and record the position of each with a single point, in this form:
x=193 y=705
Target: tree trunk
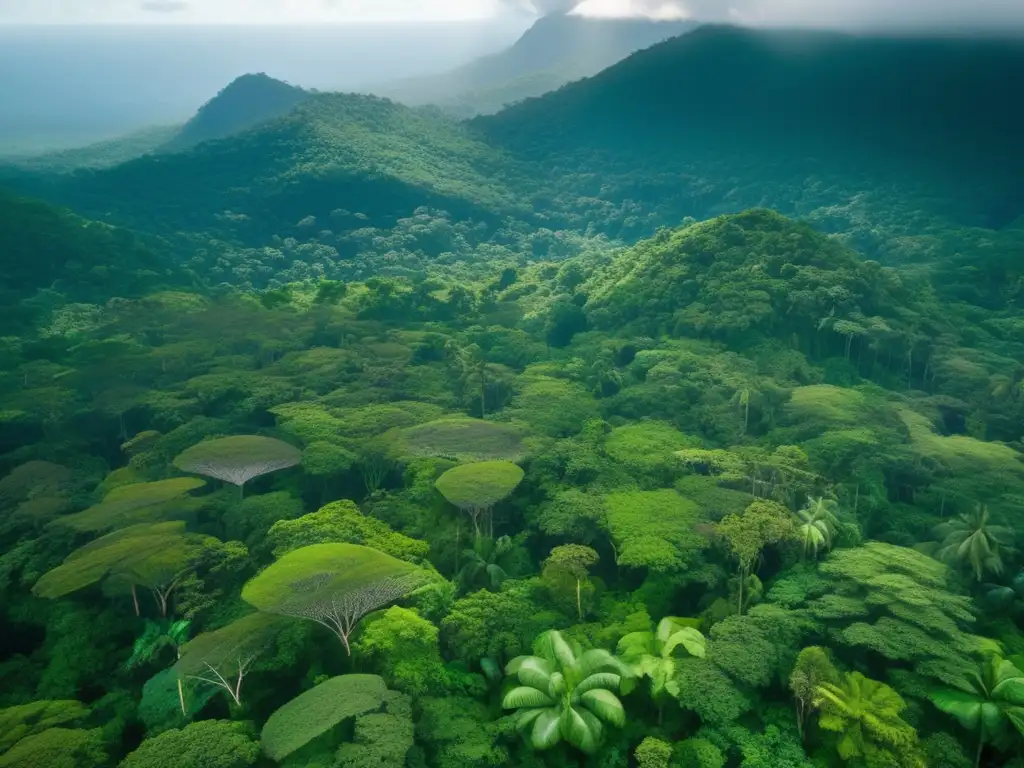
x=746 y=416
x=181 y=698
x=981 y=745
x=135 y=600
x=740 y=607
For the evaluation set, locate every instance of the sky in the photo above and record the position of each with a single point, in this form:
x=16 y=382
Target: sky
x=833 y=13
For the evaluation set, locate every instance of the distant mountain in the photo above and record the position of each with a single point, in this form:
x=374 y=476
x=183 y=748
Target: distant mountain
x=936 y=110
x=333 y=152
x=244 y=103
x=555 y=50
x=102 y=154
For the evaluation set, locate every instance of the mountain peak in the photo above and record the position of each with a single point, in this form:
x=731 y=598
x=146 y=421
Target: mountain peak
x=246 y=101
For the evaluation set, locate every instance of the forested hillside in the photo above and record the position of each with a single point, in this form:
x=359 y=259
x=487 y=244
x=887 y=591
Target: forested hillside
x=362 y=438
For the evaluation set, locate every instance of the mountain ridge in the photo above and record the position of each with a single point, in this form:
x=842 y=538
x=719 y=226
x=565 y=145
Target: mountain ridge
x=557 y=49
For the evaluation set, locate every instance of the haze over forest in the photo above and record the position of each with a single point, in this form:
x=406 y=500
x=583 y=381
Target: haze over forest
x=485 y=383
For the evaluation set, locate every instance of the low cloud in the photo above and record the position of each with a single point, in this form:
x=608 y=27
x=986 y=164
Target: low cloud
x=164 y=6
x=845 y=14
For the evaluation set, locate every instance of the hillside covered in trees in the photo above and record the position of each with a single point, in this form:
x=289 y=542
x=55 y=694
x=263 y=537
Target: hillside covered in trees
x=357 y=437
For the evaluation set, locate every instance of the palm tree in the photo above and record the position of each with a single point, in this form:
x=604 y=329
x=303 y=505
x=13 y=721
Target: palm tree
x=969 y=539
x=817 y=524
x=484 y=564
x=566 y=693
x=866 y=715
x=989 y=703
x=652 y=654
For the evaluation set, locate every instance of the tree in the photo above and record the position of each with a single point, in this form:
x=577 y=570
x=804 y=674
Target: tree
x=334 y=585
x=970 y=540
x=318 y=710
x=403 y=647
x=491 y=624
x=653 y=753
x=135 y=503
x=813 y=668
x=156 y=636
x=652 y=655
x=238 y=459
x=653 y=529
x=58 y=748
x=158 y=556
x=223 y=656
x=24 y=720
x=817 y=525
x=206 y=744
x=565 y=693
x=380 y=739
x=341 y=522
x=463 y=439
x=571 y=560
x=477 y=487
x=762 y=523
x=866 y=715
x=484 y=563
x=990 y=704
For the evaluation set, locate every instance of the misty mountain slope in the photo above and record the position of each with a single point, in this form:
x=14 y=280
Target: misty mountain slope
x=557 y=49
x=358 y=153
x=102 y=154
x=243 y=103
x=724 y=84
x=724 y=118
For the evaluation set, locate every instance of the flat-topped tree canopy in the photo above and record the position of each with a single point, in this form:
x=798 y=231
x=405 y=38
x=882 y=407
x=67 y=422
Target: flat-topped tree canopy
x=334 y=585
x=223 y=656
x=463 y=439
x=108 y=555
x=134 y=503
x=238 y=459
x=475 y=488
x=479 y=485
x=154 y=555
x=319 y=709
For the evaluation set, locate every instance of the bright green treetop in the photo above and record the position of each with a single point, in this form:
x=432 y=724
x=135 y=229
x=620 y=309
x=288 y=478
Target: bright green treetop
x=653 y=655
x=205 y=744
x=28 y=719
x=477 y=487
x=565 y=694
x=319 y=709
x=134 y=503
x=334 y=585
x=866 y=715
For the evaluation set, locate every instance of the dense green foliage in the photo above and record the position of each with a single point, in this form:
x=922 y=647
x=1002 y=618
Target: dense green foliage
x=745 y=493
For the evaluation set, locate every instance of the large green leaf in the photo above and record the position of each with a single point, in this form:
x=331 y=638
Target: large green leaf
x=965 y=707
x=691 y=639
x=524 y=696
x=534 y=674
x=608 y=680
x=580 y=731
x=546 y=729
x=634 y=646
x=605 y=705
